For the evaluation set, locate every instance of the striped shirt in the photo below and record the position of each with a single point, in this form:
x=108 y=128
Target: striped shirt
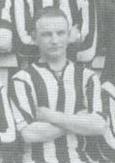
x=38 y=86
x=5 y=14
x=7 y=128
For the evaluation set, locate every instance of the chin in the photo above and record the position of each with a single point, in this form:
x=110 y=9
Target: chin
x=55 y=54
x=53 y=57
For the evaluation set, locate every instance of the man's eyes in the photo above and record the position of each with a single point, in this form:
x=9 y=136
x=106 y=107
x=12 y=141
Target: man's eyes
x=61 y=33
x=46 y=34
x=49 y=34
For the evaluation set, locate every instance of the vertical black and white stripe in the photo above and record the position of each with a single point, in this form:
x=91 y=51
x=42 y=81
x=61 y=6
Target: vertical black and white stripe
x=38 y=86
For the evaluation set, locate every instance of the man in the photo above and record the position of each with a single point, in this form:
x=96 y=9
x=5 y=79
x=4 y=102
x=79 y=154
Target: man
x=56 y=104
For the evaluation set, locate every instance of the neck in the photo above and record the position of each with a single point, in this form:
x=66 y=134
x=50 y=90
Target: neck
x=59 y=65
x=55 y=64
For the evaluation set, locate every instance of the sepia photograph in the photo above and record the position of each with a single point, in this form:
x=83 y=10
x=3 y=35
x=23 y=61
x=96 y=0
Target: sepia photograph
x=57 y=81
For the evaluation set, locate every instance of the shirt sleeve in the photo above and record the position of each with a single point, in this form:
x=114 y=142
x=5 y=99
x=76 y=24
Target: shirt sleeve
x=21 y=104
x=9 y=134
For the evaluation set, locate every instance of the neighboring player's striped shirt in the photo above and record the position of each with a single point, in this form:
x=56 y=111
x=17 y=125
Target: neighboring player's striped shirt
x=76 y=11
x=7 y=128
x=5 y=13
x=39 y=86
x=107 y=144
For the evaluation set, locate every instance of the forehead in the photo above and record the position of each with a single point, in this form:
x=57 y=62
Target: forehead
x=51 y=23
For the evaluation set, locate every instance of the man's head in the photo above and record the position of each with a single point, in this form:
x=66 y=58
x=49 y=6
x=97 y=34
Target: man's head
x=52 y=33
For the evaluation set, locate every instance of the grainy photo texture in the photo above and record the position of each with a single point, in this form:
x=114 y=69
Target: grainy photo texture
x=57 y=81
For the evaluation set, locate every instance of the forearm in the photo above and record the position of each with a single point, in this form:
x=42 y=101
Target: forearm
x=41 y=132
x=83 y=124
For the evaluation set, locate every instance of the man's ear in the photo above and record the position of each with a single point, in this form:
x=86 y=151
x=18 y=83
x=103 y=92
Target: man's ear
x=69 y=33
x=34 y=36
x=74 y=34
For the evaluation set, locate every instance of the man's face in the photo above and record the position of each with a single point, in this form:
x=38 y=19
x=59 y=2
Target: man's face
x=52 y=36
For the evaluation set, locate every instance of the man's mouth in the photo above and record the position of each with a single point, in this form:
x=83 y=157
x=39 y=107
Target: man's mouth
x=55 y=48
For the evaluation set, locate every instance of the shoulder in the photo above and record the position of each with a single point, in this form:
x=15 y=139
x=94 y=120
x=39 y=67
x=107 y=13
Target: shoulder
x=85 y=72
x=23 y=76
x=20 y=75
x=28 y=76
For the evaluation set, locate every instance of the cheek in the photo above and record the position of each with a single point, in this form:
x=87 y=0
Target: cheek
x=42 y=42
x=45 y=41
x=65 y=40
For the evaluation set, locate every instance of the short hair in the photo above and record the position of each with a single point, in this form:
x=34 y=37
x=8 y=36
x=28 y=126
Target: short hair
x=50 y=11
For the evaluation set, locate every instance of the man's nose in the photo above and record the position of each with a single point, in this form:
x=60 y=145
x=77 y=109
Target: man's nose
x=55 y=38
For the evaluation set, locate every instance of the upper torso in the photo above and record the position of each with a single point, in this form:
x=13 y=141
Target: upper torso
x=42 y=88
